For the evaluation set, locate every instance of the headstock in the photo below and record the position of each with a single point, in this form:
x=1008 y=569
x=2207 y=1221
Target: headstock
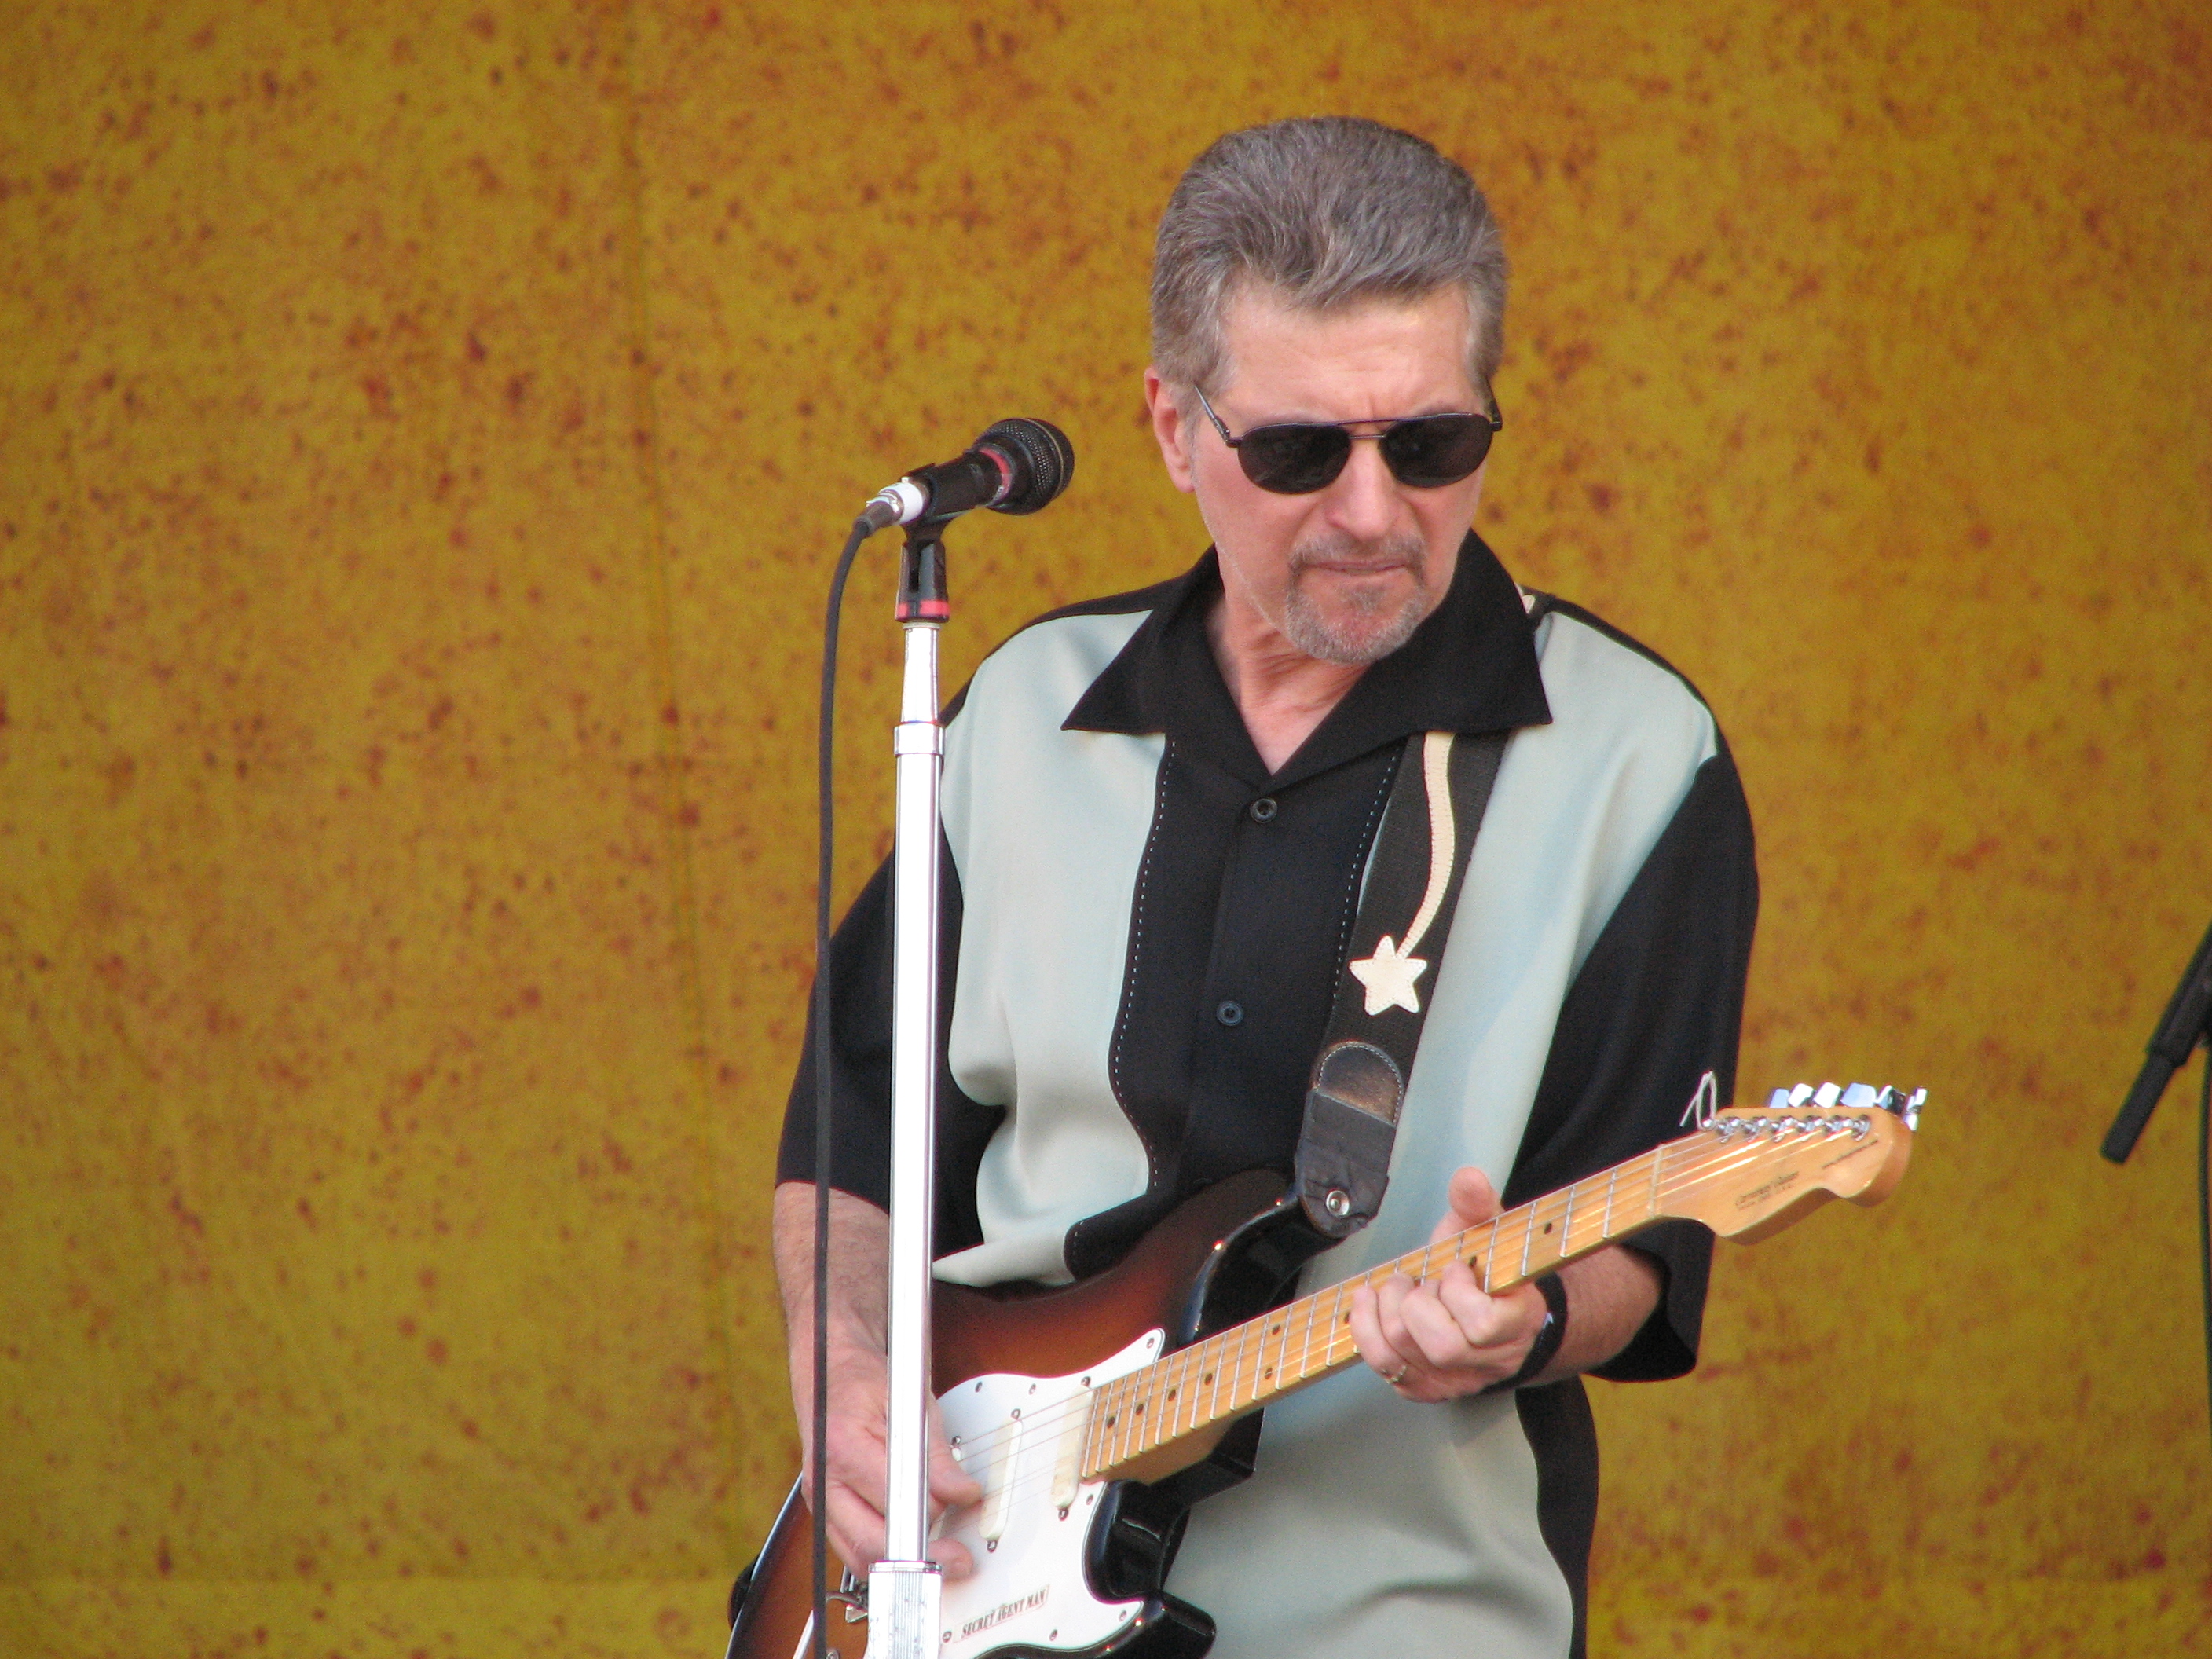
x=1748 y=1173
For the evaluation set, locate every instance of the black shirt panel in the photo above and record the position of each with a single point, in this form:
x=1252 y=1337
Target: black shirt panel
x=1235 y=949
x=1243 y=909
x=1563 y=1435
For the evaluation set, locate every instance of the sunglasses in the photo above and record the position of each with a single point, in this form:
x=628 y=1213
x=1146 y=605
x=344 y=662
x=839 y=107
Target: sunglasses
x=1426 y=452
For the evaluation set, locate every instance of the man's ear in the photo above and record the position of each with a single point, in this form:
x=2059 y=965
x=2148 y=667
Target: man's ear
x=1169 y=430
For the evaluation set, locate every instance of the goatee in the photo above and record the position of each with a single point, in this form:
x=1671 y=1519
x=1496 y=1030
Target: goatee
x=1362 y=626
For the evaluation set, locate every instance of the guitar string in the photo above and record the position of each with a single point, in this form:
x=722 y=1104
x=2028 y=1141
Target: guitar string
x=1238 y=1344
x=1133 y=1439
x=1253 y=1342
x=1714 y=1160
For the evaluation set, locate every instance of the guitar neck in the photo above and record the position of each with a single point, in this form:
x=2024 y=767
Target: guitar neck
x=1245 y=1367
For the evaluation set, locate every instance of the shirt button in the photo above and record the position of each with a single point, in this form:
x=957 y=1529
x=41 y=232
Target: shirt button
x=1229 y=1013
x=1263 y=810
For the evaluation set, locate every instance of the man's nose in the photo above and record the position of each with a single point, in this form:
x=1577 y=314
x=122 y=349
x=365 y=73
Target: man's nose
x=1364 y=501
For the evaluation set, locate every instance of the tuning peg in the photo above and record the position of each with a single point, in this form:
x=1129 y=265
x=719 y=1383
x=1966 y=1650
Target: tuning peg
x=1827 y=1095
x=1860 y=1096
x=1904 y=1106
x=1801 y=1094
x=1779 y=1101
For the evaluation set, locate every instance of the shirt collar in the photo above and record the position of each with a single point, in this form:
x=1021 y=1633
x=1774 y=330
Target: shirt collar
x=1471 y=666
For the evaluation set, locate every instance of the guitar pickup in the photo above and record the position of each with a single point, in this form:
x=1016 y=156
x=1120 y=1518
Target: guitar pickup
x=1000 y=1466
x=1067 y=1463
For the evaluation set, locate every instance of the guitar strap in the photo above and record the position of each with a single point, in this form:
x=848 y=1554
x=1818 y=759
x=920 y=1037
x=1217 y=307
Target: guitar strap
x=1436 y=802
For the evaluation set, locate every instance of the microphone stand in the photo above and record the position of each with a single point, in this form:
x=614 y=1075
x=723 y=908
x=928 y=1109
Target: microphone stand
x=2184 y=1026
x=905 y=1589
x=2186 y=1022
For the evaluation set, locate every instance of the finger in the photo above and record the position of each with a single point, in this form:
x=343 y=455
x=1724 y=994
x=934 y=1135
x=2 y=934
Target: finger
x=1435 y=1336
x=1491 y=1321
x=952 y=1486
x=1470 y=1200
x=1367 y=1336
x=856 y=1528
x=1390 y=1299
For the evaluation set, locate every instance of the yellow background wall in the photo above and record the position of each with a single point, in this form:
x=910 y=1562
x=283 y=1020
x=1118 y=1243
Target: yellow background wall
x=423 y=432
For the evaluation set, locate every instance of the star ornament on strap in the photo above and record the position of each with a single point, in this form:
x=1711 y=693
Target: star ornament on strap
x=1389 y=975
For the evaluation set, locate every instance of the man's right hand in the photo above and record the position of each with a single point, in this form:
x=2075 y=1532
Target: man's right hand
x=860 y=1457
x=859 y=1452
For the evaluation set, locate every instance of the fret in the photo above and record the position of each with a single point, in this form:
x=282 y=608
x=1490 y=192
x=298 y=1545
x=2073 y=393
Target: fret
x=1567 y=1222
x=1652 y=1203
x=1098 y=1442
x=1306 y=1337
x=1612 y=1180
x=1108 y=1409
x=1528 y=1237
x=1490 y=1254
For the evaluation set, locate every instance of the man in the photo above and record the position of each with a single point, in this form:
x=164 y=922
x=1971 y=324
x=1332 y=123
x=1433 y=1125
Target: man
x=1158 y=808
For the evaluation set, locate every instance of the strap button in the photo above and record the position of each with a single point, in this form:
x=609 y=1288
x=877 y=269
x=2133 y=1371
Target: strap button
x=1229 y=1013
x=1263 y=810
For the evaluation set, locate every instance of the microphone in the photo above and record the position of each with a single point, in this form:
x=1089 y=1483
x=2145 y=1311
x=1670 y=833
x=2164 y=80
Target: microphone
x=1018 y=466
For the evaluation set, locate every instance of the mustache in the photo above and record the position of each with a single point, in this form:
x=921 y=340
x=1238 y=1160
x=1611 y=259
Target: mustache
x=1339 y=548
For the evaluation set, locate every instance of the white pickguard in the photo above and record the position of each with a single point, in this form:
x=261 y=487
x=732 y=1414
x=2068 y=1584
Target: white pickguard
x=1019 y=1437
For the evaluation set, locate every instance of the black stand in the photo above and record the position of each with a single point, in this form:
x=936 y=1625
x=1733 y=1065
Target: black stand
x=2183 y=1027
x=2188 y=1022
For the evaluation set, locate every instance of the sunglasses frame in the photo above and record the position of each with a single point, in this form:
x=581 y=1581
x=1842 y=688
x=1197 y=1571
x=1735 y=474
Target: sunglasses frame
x=1494 y=418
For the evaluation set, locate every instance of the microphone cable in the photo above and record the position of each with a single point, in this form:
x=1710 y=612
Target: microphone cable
x=825 y=844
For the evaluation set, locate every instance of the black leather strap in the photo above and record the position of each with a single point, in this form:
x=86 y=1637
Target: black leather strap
x=1391 y=970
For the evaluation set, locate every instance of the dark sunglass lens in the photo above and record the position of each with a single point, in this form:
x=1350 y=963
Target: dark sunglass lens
x=1436 y=450
x=1294 y=460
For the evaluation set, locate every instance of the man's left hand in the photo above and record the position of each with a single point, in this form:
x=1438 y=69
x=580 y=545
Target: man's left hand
x=1444 y=1337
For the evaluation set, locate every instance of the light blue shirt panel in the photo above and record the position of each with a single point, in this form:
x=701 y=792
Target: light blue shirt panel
x=1047 y=830
x=1371 y=1525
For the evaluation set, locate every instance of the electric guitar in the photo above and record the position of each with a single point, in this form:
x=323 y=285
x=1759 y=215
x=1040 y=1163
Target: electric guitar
x=1095 y=1415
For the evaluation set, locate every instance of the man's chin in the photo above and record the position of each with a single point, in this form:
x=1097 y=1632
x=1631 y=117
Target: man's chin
x=1350 y=633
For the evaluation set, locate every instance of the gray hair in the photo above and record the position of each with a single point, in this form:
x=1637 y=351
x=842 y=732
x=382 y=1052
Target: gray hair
x=1328 y=211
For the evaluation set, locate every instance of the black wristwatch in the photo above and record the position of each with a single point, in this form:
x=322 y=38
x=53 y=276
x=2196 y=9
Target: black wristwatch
x=1549 y=1335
